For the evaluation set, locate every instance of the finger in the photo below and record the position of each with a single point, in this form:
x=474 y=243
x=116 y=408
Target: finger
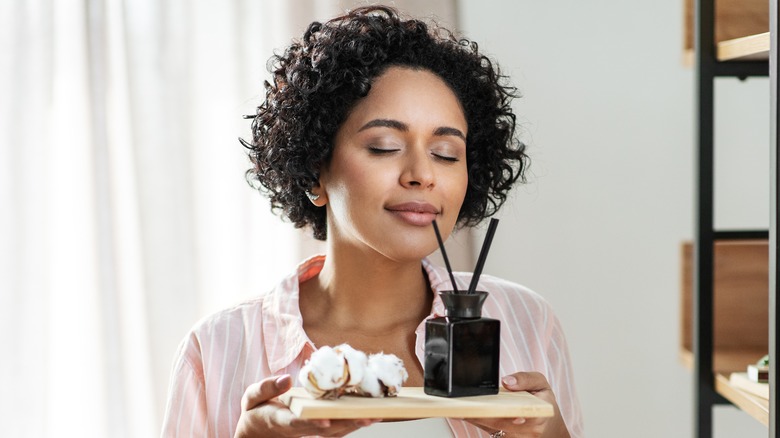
x=526 y=381
x=326 y=424
x=344 y=427
x=275 y=413
x=493 y=424
x=507 y=424
x=502 y=422
x=325 y=427
x=264 y=390
x=321 y=427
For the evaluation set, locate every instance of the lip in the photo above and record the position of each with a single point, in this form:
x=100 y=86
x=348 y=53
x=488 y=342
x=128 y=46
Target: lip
x=420 y=214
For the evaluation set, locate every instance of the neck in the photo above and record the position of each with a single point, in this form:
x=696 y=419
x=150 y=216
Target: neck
x=363 y=290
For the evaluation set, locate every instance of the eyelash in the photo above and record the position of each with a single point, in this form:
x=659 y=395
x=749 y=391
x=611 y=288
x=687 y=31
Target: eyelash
x=381 y=151
x=446 y=158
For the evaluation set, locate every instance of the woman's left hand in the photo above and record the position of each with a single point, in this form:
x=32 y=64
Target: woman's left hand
x=542 y=427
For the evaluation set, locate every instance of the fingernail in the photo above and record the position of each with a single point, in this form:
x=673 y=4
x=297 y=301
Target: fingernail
x=364 y=423
x=282 y=381
x=323 y=423
x=509 y=380
x=518 y=421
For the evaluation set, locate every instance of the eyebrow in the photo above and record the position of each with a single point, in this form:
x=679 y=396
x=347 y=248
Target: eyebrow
x=401 y=126
x=446 y=130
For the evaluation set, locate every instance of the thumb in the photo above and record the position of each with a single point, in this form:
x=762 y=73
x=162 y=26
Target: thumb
x=264 y=390
x=526 y=381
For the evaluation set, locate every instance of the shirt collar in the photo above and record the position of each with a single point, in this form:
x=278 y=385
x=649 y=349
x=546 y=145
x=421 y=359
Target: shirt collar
x=283 y=334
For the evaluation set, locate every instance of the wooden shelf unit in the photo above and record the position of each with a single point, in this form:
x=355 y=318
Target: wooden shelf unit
x=737 y=39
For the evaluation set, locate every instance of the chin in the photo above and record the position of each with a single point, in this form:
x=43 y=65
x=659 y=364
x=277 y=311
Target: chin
x=405 y=251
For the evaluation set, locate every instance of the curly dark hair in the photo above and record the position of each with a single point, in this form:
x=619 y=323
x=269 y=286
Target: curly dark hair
x=317 y=81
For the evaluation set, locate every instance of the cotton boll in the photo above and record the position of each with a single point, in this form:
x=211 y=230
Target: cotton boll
x=324 y=374
x=356 y=361
x=389 y=370
x=370 y=385
x=307 y=380
x=328 y=368
x=332 y=372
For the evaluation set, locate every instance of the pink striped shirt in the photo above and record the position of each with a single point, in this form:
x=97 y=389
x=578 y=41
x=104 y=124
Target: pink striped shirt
x=226 y=352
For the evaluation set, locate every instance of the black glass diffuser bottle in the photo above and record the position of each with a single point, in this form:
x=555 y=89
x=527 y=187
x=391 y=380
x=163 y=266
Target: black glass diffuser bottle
x=462 y=348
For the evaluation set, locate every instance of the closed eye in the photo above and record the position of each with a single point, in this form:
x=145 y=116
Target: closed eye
x=446 y=158
x=381 y=151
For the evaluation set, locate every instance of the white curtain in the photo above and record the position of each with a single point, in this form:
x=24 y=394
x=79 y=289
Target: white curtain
x=124 y=213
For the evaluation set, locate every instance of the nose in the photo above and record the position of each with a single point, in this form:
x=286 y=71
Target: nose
x=418 y=171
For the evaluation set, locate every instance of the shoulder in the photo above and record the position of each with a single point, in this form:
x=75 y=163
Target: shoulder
x=235 y=315
x=508 y=290
x=219 y=326
x=508 y=294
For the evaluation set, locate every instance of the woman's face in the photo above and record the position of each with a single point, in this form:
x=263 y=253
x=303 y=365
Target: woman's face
x=399 y=162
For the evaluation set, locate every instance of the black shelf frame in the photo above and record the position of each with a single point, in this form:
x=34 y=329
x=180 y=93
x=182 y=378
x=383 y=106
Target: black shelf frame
x=707 y=69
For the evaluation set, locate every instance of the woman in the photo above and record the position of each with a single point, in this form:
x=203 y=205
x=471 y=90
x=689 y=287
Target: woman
x=373 y=127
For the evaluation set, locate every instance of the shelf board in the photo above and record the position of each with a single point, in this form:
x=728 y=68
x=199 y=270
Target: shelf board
x=726 y=361
x=749 y=48
x=754 y=406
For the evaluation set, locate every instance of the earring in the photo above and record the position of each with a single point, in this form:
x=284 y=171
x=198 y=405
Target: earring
x=312 y=197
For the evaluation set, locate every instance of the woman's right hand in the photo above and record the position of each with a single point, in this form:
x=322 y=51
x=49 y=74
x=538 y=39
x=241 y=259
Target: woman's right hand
x=262 y=415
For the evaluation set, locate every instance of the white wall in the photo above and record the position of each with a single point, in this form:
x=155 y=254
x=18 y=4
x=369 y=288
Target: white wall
x=608 y=113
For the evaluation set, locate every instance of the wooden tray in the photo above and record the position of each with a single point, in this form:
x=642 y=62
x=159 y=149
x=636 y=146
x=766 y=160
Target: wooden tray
x=414 y=403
